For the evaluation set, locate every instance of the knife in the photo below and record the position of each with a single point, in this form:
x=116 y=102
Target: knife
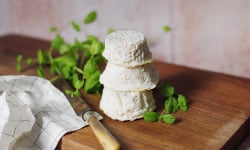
x=82 y=109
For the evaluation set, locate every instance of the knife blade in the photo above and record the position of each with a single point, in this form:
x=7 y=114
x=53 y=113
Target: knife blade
x=82 y=109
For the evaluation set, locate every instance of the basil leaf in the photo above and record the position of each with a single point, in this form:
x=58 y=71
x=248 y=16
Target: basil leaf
x=65 y=60
x=90 y=68
x=167 y=90
x=77 y=93
x=166 y=28
x=96 y=48
x=57 y=42
x=19 y=61
x=66 y=72
x=74 y=78
x=19 y=58
x=78 y=84
x=29 y=61
x=175 y=105
x=92 y=84
x=182 y=102
x=110 y=30
x=169 y=106
x=150 y=116
x=90 y=17
x=168 y=118
x=53 y=29
x=64 y=48
x=40 y=57
x=76 y=26
x=43 y=57
x=92 y=38
x=40 y=72
x=78 y=45
x=68 y=92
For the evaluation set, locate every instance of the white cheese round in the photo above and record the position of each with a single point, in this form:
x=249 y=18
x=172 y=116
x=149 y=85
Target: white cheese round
x=119 y=78
x=124 y=106
x=127 y=48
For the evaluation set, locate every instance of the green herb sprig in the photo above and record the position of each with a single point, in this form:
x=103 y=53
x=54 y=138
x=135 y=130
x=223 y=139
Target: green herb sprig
x=77 y=62
x=172 y=104
x=166 y=28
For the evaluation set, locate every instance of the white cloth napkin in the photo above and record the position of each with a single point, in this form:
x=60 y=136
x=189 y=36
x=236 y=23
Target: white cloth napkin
x=33 y=114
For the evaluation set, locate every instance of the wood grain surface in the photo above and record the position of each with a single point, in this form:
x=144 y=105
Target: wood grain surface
x=218 y=115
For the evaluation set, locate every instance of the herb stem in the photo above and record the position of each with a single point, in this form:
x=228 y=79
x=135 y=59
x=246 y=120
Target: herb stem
x=82 y=61
x=50 y=55
x=55 y=78
x=78 y=70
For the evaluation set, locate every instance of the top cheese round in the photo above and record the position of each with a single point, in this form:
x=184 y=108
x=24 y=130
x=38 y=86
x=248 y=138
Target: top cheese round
x=127 y=48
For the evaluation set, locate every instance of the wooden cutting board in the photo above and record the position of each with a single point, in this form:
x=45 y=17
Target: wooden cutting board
x=218 y=115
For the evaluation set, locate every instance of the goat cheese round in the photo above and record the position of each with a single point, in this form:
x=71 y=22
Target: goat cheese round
x=120 y=78
x=127 y=48
x=126 y=105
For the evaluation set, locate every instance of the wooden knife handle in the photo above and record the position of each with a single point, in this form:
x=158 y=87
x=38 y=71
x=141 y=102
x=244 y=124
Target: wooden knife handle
x=106 y=139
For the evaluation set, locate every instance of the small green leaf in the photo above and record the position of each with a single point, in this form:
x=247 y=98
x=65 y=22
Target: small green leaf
x=99 y=58
x=168 y=118
x=75 y=78
x=167 y=90
x=78 y=45
x=86 y=54
x=57 y=42
x=19 y=61
x=69 y=92
x=73 y=53
x=169 y=106
x=96 y=48
x=92 y=38
x=19 y=58
x=40 y=72
x=90 y=17
x=54 y=69
x=77 y=93
x=90 y=67
x=150 y=116
x=18 y=67
x=182 y=102
x=110 y=30
x=53 y=29
x=40 y=58
x=175 y=105
x=29 y=61
x=65 y=61
x=66 y=72
x=76 y=26
x=78 y=84
x=166 y=28
x=85 y=46
x=184 y=108
x=64 y=48
x=43 y=57
x=92 y=84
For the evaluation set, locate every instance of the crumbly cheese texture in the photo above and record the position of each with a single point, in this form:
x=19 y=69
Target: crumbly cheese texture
x=140 y=78
x=127 y=48
x=126 y=106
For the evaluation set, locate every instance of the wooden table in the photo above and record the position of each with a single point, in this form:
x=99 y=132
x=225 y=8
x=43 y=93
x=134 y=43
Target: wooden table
x=218 y=115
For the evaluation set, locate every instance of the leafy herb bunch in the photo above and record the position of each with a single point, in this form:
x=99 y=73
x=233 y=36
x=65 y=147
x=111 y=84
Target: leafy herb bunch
x=77 y=62
x=172 y=104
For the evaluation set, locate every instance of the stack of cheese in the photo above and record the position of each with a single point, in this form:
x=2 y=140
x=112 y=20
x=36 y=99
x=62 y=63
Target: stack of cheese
x=128 y=77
